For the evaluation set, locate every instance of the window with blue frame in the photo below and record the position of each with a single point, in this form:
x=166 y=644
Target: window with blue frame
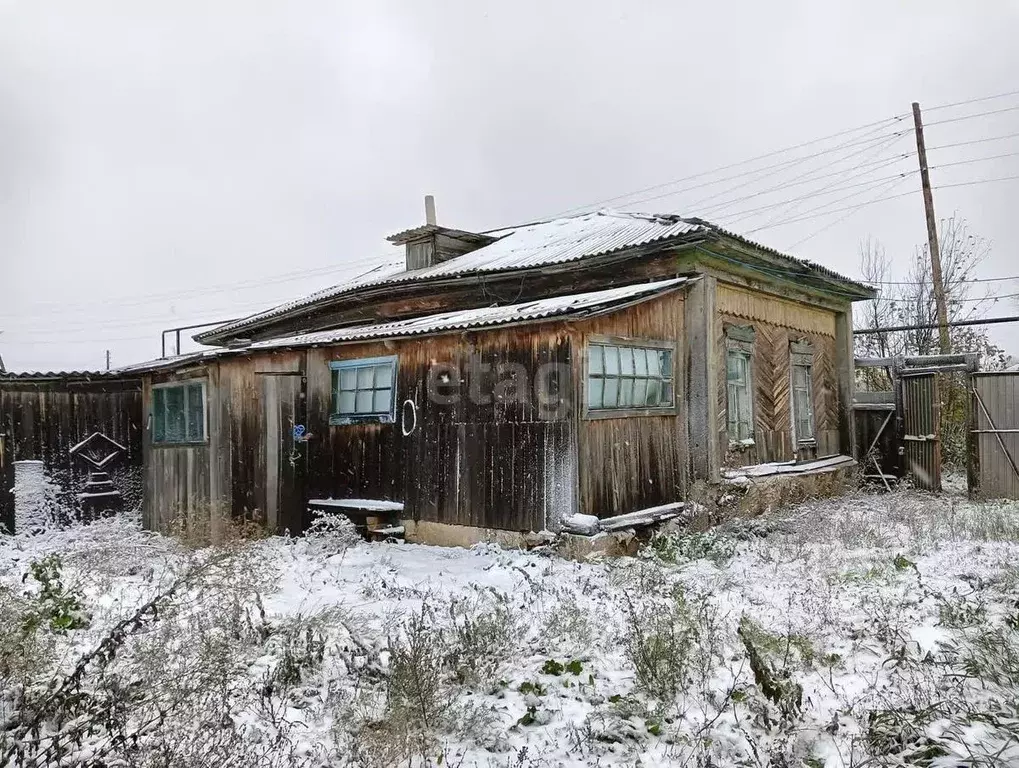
x=364 y=390
x=178 y=413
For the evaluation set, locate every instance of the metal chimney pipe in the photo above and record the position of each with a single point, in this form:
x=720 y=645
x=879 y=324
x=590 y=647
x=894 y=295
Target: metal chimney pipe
x=429 y=209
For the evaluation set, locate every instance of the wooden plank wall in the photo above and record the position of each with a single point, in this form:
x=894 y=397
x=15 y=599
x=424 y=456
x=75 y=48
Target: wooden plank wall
x=504 y=463
x=177 y=477
x=42 y=420
x=1000 y=395
x=634 y=462
x=777 y=323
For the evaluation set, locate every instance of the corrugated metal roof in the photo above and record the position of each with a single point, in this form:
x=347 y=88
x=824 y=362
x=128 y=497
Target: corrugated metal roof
x=6 y=375
x=580 y=304
x=557 y=241
x=561 y=307
x=551 y=242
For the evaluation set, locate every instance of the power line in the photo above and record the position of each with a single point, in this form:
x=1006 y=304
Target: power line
x=832 y=189
x=812 y=235
x=139 y=299
x=800 y=180
x=929 y=327
x=971 y=101
x=780 y=165
x=886 y=121
x=971 y=117
x=881 y=141
x=974 y=141
x=883 y=199
x=967 y=280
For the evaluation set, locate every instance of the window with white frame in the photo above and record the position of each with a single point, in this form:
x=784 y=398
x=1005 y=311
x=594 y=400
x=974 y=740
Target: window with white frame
x=740 y=384
x=629 y=377
x=802 y=365
x=178 y=412
x=364 y=390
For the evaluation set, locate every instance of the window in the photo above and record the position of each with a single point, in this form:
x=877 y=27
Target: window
x=624 y=377
x=363 y=390
x=739 y=341
x=178 y=413
x=801 y=357
x=741 y=403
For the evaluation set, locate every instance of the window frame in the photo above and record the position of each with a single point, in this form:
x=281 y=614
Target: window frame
x=739 y=340
x=629 y=412
x=183 y=384
x=801 y=355
x=375 y=417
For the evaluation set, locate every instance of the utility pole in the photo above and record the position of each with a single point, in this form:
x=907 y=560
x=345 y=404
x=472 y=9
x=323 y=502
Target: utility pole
x=107 y=359
x=932 y=235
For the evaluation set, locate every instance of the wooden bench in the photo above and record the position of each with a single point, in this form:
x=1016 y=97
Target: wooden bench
x=375 y=518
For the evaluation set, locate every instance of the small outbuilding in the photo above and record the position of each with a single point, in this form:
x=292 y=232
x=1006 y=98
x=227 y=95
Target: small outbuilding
x=491 y=384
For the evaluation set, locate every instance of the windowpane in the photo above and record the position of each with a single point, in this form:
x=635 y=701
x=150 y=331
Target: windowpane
x=626 y=392
x=667 y=393
x=640 y=361
x=346 y=402
x=158 y=415
x=365 y=377
x=626 y=361
x=196 y=414
x=611 y=393
x=654 y=392
x=640 y=392
x=611 y=361
x=594 y=363
x=594 y=392
x=666 y=363
x=174 y=414
x=384 y=376
x=363 y=402
x=654 y=362
x=348 y=378
x=383 y=400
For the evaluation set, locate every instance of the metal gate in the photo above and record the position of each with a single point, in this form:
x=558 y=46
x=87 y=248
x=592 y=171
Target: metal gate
x=995 y=420
x=921 y=411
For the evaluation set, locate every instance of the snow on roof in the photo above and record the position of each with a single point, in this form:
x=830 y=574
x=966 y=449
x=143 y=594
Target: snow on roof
x=572 y=306
x=559 y=306
x=548 y=242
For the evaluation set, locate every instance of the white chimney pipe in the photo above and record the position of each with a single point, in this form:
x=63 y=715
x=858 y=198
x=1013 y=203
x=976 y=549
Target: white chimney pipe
x=429 y=209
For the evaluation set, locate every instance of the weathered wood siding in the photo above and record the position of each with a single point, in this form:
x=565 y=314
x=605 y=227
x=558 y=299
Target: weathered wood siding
x=42 y=419
x=777 y=323
x=484 y=458
x=176 y=476
x=633 y=462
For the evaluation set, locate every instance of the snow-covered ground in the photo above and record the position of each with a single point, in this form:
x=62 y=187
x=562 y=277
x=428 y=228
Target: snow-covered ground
x=871 y=629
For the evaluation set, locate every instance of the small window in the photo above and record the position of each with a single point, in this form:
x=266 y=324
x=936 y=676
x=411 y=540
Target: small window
x=741 y=401
x=363 y=390
x=629 y=377
x=803 y=393
x=178 y=413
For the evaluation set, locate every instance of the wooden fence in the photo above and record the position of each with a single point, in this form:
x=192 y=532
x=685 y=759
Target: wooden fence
x=50 y=419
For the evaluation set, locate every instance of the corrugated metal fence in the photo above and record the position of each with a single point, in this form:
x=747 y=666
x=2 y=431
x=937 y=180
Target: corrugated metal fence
x=996 y=428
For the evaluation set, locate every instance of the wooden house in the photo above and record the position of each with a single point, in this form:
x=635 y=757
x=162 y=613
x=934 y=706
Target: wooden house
x=504 y=380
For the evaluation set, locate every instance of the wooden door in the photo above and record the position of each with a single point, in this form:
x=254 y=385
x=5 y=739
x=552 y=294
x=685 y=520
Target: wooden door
x=921 y=407
x=286 y=451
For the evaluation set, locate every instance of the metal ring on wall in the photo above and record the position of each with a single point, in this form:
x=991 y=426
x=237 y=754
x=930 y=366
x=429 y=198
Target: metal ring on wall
x=403 y=417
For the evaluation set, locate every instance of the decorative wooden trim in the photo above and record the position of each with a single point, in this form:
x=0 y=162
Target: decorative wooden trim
x=745 y=333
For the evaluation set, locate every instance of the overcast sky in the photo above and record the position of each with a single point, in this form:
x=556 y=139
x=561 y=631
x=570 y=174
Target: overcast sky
x=163 y=163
